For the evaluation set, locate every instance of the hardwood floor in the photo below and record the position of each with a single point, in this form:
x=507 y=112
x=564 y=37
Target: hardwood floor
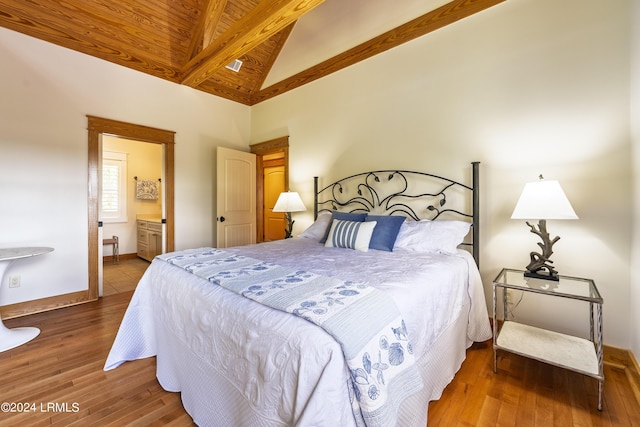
x=525 y=392
x=59 y=377
x=63 y=366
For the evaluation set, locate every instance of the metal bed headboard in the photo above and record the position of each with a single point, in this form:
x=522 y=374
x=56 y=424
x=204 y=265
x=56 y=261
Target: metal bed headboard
x=366 y=192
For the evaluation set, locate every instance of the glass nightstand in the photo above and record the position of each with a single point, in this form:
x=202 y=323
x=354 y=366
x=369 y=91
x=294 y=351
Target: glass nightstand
x=566 y=351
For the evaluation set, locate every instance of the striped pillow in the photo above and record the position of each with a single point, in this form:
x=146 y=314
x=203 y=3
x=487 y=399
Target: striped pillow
x=350 y=234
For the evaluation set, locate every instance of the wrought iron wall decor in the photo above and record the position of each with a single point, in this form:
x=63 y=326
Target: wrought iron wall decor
x=368 y=192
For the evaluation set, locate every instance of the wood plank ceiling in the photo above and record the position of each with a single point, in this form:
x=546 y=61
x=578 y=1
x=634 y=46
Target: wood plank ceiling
x=190 y=42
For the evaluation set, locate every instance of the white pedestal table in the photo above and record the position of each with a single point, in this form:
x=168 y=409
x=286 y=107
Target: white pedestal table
x=10 y=338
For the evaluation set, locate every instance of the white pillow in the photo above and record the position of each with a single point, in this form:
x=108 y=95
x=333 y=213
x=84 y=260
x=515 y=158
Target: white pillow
x=350 y=234
x=432 y=236
x=318 y=229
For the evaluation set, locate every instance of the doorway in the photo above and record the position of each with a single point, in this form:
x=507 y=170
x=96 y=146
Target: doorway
x=97 y=127
x=272 y=177
x=131 y=191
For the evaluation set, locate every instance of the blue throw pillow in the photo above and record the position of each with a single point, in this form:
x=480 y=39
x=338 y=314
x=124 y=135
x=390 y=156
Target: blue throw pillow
x=386 y=231
x=343 y=216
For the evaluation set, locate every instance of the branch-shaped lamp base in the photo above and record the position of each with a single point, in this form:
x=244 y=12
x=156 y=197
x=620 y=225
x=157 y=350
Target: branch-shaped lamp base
x=289 y=229
x=540 y=265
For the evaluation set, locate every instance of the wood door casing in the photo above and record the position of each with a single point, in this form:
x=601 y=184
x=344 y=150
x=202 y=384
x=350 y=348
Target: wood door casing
x=97 y=126
x=279 y=147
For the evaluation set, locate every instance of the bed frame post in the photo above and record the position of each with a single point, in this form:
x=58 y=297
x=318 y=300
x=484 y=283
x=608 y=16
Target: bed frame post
x=315 y=198
x=476 y=211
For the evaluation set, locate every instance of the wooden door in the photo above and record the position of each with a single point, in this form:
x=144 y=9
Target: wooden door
x=274 y=223
x=236 y=198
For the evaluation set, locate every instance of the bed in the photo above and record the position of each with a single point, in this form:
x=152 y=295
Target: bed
x=360 y=321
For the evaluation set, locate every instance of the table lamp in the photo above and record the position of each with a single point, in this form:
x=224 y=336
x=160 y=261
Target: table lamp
x=543 y=200
x=289 y=201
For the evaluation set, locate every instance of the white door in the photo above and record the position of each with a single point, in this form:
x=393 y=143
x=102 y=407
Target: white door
x=236 y=198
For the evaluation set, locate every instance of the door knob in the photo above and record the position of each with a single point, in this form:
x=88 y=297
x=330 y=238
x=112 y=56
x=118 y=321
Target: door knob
x=222 y=219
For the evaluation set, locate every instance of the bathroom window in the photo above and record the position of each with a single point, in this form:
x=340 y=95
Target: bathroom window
x=114 y=187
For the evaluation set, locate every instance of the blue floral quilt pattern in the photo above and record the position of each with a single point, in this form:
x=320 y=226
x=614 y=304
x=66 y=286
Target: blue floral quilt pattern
x=366 y=323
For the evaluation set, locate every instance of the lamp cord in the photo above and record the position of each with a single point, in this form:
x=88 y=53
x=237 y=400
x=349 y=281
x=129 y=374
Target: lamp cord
x=512 y=306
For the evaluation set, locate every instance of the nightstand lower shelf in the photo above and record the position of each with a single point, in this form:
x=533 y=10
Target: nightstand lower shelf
x=565 y=351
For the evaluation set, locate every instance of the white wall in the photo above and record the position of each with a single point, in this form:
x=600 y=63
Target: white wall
x=526 y=87
x=635 y=138
x=46 y=93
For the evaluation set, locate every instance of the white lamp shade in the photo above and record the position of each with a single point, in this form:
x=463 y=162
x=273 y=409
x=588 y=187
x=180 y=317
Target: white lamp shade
x=289 y=201
x=543 y=200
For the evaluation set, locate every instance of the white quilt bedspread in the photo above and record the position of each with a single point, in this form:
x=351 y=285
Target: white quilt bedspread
x=428 y=288
x=278 y=369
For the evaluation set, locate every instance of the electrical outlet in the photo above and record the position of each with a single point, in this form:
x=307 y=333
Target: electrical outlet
x=14 y=281
x=509 y=297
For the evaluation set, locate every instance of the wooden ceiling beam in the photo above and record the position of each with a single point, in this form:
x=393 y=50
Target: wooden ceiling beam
x=266 y=19
x=209 y=18
x=212 y=22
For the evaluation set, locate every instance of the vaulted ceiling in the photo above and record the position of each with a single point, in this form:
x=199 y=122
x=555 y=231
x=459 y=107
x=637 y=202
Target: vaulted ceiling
x=285 y=43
